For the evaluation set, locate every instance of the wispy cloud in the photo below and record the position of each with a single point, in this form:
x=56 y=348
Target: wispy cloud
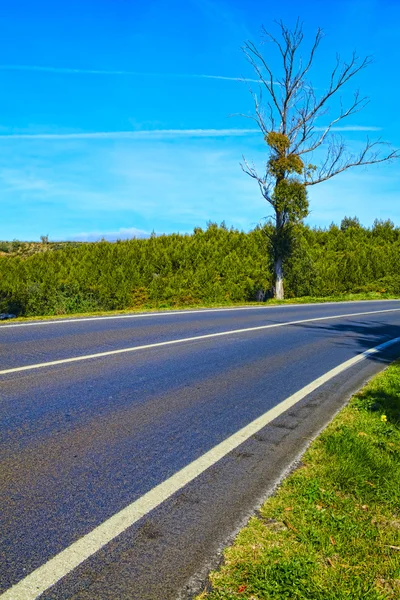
x=145 y=134
x=141 y=134
x=124 y=233
x=66 y=70
x=241 y=79
x=88 y=191
x=72 y=71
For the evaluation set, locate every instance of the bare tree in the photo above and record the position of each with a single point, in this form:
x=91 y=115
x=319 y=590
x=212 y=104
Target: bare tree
x=288 y=120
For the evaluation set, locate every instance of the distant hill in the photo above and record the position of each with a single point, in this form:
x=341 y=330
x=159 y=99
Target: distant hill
x=19 y=248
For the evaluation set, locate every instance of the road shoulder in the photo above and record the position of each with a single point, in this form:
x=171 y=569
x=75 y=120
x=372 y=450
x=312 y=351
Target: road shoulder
x=332 y=530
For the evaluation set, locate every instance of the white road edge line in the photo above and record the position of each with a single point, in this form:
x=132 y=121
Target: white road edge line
x=63 y=361
x=40 y=580
x=181 y=312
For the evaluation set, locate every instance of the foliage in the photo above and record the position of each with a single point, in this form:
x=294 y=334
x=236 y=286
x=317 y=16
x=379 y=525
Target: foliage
x=216 y=265
x=287 y=119
x=349 y=222
x=282 y=162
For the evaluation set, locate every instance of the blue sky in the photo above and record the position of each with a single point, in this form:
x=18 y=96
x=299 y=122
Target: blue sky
x=115 y=115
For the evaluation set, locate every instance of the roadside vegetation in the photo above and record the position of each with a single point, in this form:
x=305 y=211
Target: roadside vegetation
x=215 y=266
x=24 y=249
x=332 y=530
x=162 y=307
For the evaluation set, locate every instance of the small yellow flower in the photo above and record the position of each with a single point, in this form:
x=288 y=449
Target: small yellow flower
x=384 y=418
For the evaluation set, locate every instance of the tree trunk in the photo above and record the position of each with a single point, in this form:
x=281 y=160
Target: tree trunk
x=278 y=275
x=277 y=251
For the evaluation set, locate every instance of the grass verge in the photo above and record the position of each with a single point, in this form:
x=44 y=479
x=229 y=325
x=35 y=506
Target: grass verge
x=332 y=530
x=163 y=306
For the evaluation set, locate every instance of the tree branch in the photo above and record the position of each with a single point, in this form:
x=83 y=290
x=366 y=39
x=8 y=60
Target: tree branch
x=335 y=162
x=264 y=185
x=348 y=71
x=253 y=55
x=357 y=105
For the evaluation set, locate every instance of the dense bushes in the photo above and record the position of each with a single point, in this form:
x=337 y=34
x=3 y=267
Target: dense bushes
x=215 y=265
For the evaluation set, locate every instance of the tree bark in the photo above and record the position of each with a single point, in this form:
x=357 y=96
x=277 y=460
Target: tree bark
x=278 y=275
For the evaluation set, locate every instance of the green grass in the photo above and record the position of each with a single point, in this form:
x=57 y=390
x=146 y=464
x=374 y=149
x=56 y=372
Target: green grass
x=332 y=530
x=338 y=298
x=161 y=306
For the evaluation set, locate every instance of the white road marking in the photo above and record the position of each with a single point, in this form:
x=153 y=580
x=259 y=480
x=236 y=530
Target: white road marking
x=63 y=361
x=67 y=560
x=179 y=312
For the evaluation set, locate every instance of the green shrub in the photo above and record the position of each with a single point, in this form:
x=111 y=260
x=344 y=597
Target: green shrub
x=213 y=265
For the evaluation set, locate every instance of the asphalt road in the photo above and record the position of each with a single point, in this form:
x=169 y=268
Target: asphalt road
x=82 y=440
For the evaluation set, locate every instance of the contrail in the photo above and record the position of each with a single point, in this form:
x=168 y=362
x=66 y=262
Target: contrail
x=141 y=134
x=160 y=133
x=70 y=71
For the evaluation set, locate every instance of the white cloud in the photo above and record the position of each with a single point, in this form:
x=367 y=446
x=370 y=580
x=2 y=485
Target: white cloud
x=162 y=133
x=71 y=71
x=66 y=70
x=23 y=180
x=87 y=191
x=141 y=134
x=124 y=233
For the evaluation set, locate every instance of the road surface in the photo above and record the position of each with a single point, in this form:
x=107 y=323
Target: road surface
x=122 y=470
